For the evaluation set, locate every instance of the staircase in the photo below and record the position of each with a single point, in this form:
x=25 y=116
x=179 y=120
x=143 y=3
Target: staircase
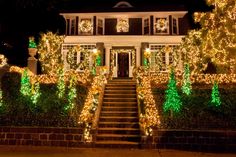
x=118 y=124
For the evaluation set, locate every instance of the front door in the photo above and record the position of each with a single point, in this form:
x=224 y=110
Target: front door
x=123 y=64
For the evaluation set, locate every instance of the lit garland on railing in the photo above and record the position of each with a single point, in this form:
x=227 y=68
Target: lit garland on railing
x=114 y=51
x=150 y=118
x=91 y=103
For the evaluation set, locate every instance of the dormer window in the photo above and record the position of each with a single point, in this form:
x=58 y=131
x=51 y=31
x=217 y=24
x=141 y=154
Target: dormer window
x=161 y=25
x=86 y=26
x=123 y=4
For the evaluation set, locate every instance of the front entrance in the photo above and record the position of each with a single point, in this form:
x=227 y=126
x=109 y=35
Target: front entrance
x=123 y=65
x=122 y=61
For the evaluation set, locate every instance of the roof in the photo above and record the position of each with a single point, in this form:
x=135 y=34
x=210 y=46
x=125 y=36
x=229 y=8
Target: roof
x=95 y=6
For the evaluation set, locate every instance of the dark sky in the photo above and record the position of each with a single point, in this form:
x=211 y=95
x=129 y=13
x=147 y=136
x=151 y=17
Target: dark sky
x=22 y=18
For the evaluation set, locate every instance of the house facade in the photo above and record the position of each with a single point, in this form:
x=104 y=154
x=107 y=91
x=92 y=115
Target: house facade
x=123 y=34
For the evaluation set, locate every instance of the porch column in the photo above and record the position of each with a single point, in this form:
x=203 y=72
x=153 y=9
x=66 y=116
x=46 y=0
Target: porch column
x=137 y=48
x=108 y=50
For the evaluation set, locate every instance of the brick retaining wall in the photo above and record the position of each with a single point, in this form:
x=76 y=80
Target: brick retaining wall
x=66 y=137
x=198 y=140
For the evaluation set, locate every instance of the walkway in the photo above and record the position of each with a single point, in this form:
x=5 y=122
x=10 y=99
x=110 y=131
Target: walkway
x=33 y=151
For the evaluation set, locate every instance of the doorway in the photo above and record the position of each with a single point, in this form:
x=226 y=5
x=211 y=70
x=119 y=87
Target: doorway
x=123 y=65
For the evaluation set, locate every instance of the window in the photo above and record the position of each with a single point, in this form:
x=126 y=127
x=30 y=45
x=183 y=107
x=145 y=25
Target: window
x=146 y=26
x=86 y=26
x=71 y=26
x=162 y=56
x=161 y=25
x=174 y=24
x=72 y=30
x=79 y=56
x=100 y=27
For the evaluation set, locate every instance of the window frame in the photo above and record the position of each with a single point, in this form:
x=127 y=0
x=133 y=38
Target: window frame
x=154 y=27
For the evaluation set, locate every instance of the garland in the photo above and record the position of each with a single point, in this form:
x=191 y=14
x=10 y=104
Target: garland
x=121 y=51
x=70 y=58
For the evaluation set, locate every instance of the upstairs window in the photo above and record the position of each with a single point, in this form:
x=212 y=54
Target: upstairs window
x=161 y=25
x=100 y=27
x=73 y=27
x=70 y=26
x=174 y=24
x=146 y=26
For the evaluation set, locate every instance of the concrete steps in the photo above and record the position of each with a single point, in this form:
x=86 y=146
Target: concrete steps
x=118 y=125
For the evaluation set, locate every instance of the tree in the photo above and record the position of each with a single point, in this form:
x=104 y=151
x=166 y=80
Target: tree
x=215 y=95
x=49 y=50
x=25 y=84
x=186 y=85
x=172 y=99
x=216 y=39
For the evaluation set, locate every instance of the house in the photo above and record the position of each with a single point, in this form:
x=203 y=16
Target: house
x=123 y=34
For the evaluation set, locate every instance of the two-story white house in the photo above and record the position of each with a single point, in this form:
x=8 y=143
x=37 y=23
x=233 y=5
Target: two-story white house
x=124 y=32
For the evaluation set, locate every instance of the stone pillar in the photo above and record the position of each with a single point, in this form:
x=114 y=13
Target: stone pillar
x=32 y=61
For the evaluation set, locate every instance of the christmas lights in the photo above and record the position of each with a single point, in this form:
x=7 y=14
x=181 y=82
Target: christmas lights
x=172 y=99
x=25 y=84
x=113 y=52
x=186 y=85
x=3 y=61
x=122 y=25
x=150 y=118
x=86 y=26
x=161 y=24
x=215 y=96
x=84 y=64
x=32 y=43
x=49 y=50
x=215 y=40
x=61 y=84
x=35 y=93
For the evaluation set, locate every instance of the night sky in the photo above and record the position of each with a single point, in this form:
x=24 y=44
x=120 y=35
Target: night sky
x=20 y=19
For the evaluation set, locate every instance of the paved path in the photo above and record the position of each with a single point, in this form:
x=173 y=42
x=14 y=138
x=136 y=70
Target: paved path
x=32 y=151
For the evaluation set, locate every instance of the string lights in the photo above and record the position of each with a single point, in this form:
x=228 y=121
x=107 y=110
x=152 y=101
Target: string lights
x=122 y=25
x=86 y=26
x=50 y=55
x=216 y=38
x=150 y=117
x=113 y=53
x=3 y=61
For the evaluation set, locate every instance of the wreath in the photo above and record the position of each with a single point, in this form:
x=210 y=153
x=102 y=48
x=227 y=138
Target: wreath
x=162 y=24
x=85 y=26
x=73 y=63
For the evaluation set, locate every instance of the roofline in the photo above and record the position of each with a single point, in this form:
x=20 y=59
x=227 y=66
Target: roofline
x=112 y=14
